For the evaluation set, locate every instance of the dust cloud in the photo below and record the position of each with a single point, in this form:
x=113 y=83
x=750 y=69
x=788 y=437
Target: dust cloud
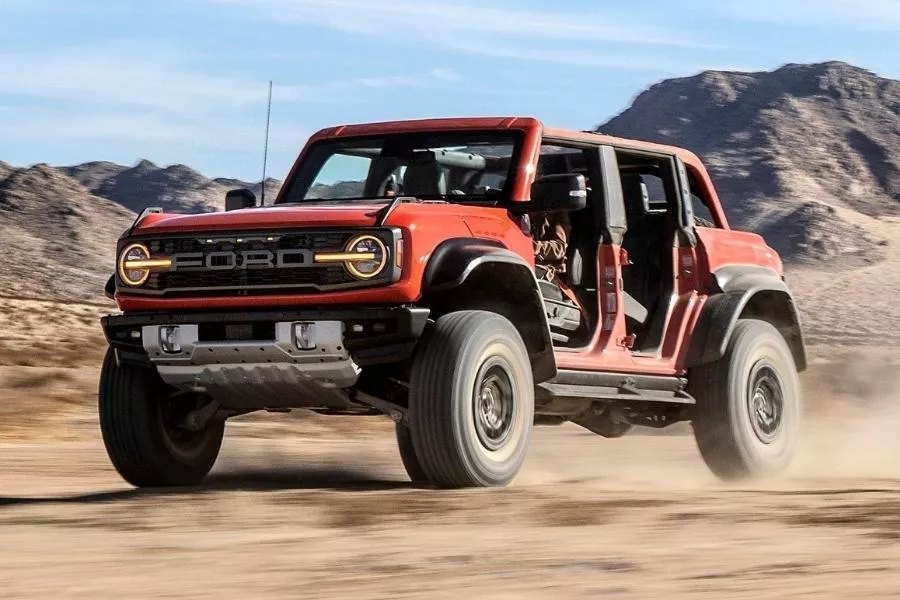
x=852 y=418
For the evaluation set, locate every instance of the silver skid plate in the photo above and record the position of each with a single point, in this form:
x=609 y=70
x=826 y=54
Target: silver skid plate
x=257 y=374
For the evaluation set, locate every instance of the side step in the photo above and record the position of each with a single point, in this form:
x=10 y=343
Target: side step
x=613 y=387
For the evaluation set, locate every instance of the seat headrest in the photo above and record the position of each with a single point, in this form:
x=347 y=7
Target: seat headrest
x=424 y=179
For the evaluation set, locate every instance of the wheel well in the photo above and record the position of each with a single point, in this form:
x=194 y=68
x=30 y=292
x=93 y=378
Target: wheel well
x=508 y=289
x=777 y=308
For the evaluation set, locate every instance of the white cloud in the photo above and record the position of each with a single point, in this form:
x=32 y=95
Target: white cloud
x=152 y=78
x=116 y=75
x=445 y=74
x=424 y=19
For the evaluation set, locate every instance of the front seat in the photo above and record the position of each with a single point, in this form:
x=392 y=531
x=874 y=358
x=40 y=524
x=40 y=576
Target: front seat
x=425 y=179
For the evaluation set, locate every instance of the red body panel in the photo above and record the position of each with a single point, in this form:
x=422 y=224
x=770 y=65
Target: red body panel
x=722 y=248
x=425 y=226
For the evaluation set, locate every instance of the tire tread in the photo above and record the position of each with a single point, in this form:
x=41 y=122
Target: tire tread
x=433 y=377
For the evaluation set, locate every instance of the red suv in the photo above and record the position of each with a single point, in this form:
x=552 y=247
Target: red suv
x=395 y=273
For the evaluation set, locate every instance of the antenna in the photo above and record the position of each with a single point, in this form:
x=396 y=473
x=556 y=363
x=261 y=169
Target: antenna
x=262 y=201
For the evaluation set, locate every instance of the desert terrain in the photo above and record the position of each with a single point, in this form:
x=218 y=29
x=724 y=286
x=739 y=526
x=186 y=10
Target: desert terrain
x=307 y=506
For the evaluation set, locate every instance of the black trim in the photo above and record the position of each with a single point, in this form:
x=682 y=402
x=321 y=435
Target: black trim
x=659 y=383
x=414 y=315
x=109 y=290
x=150 y=210
x=735 y=288
x=549 y=391
x=387 y=210
x=129 y=357
x=710 y=336
x=452 y=261
x=625 y=388
x=395 y=345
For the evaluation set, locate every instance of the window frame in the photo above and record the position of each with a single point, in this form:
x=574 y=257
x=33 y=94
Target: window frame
x=303 y=177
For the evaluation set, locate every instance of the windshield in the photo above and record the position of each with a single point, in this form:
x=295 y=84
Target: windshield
x=451 y=166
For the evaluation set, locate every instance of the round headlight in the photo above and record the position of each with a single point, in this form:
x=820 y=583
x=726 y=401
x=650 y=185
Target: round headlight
x=134 y=253
x=375 y=251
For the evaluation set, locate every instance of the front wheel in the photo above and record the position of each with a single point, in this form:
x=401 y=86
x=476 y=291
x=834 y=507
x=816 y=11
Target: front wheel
x=748 y=404
x=408 y=454
x=471 y=405
x=142 y=425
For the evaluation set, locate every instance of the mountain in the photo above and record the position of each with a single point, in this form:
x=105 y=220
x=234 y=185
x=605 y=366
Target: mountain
x=59 y=239
x=338 y=189
x=809 y=155
x=176 y=188
x=61 y=223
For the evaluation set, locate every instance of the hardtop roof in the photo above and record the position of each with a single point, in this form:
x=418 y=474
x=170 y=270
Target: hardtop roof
x=463 y=123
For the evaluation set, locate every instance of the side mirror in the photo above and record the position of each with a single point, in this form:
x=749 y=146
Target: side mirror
x=555 y=193
x=238 y=199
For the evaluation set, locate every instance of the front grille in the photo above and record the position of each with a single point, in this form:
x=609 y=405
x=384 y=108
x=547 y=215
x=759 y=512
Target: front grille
x=298 y=273
x=276 y=279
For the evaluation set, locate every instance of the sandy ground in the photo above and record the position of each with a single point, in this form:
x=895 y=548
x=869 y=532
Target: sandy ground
x=320 y=508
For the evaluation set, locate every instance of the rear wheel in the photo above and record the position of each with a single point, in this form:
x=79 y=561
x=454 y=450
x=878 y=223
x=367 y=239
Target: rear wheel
x=142 y=426
x=748 y=404
x=471 y=405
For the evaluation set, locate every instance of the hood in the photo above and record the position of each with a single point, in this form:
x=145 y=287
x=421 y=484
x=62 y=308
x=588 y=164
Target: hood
x=270 y=217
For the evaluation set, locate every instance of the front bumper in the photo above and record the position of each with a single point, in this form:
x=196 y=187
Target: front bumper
x=250 y=359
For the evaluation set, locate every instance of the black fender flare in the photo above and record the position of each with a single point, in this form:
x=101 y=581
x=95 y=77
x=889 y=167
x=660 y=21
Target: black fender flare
x=460 y=262
x=741 y=290
x=109 y=290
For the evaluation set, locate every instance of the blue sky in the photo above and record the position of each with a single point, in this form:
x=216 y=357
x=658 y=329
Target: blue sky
x=186 y=81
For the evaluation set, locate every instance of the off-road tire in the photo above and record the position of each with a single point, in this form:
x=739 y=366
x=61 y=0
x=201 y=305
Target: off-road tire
x=458 y=442
x=736 y=440
x=408 y=455
x=143 y=449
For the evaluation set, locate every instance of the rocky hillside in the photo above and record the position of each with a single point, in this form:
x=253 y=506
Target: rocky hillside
x=175 y=188
x=59 y=238
x=60 y=224
x=808 y=155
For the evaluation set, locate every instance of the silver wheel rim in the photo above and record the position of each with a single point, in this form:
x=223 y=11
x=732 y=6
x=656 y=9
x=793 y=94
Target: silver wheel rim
x=765 y=401
x=494 y=403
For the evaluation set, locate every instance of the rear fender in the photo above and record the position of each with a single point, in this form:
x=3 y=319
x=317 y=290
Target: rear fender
x=745 y=292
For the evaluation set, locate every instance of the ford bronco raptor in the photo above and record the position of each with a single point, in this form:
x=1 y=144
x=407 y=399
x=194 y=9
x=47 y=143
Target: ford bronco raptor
x=395 y=273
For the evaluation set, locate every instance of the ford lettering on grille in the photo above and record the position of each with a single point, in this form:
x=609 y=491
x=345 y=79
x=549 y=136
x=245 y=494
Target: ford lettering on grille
x=225 y=260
